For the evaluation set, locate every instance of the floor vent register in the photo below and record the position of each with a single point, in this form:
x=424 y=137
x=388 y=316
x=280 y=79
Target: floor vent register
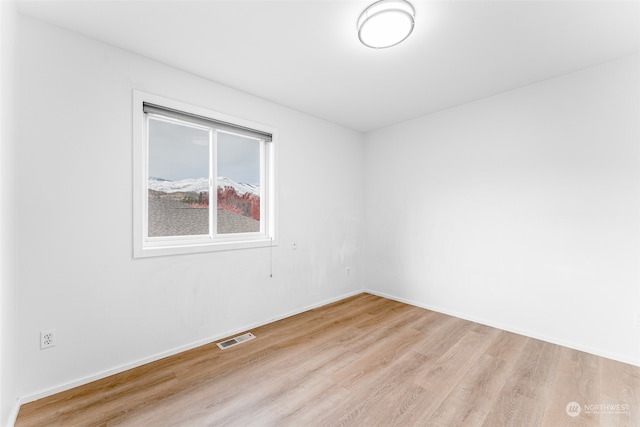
x=235 y=341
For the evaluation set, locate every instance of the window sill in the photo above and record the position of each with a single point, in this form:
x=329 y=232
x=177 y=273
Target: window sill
x=166 y=250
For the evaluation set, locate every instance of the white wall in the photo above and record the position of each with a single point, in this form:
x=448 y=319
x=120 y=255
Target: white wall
x=8 y=392
x=520 y=211
x=75 y=270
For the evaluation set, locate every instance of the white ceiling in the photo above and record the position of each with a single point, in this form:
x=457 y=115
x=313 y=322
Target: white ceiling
x=305 y=54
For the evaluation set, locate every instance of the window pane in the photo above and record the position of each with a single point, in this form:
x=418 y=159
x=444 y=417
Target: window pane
x=178 y=179
x=238 y=163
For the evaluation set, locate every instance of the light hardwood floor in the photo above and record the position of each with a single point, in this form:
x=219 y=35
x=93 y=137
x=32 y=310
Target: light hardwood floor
x=363 y=361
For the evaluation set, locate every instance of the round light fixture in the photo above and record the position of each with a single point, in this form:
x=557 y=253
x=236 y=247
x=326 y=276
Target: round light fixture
x=386 y=23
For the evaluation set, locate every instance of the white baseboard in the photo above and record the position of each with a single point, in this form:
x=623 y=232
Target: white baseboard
x=13 y=415
x=552 y=340
x=125 y=367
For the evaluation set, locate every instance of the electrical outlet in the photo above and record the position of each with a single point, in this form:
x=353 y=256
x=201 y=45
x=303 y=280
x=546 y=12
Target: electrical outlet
x=348 y=271
x=47 y=339
x=294 y=246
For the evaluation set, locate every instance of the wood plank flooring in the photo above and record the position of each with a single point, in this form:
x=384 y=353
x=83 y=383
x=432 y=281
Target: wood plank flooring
x=363 y=361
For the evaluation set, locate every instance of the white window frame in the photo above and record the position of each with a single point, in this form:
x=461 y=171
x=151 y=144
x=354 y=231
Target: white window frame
x=145 y=246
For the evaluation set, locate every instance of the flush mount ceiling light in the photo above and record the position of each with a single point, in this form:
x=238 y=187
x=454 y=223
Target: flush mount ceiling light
x=386 y=23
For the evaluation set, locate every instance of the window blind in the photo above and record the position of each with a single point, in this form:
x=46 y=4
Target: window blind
x=206 y=121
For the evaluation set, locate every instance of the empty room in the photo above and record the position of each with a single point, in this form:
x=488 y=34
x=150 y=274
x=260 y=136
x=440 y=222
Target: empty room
x=427 y=213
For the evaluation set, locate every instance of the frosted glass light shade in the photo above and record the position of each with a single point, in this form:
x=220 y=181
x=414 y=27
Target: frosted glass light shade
x=386 y=23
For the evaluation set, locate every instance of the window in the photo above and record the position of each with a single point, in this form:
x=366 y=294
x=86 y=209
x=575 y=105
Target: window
x=202 y=181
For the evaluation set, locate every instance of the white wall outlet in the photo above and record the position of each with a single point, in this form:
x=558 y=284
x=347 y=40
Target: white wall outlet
x=348 y=271
x=294 y=246
x=47 y=339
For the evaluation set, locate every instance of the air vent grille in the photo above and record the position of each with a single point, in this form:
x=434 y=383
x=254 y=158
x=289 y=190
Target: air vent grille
x=235 y=341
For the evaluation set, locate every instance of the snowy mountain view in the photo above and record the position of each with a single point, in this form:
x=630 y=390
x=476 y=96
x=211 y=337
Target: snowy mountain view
x=199 y=185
